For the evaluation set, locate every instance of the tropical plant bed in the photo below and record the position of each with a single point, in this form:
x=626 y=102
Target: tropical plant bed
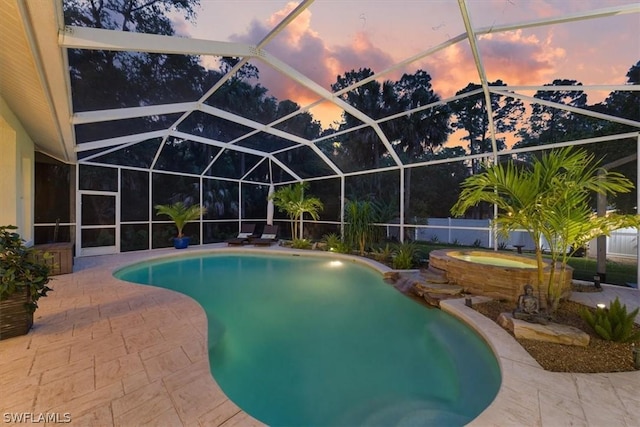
x=599 y=356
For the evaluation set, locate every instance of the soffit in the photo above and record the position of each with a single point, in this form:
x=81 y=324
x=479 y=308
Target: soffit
x=24 y=83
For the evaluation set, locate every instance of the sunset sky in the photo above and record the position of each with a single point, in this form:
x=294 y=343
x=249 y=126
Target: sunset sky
x=334 y=36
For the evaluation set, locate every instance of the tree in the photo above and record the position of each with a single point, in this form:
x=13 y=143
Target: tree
x=411 y=136
x=550 y=200
x=108 y=79
x=292 y=200
x=552 y=124
x=471 y=115
x=622 y=104
x=429 y=199
x=363 y=149
x=420 y=132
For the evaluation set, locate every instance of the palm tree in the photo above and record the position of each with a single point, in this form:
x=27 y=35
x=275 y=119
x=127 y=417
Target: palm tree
x=181 y=214
x=551 y=200
x=292 y=200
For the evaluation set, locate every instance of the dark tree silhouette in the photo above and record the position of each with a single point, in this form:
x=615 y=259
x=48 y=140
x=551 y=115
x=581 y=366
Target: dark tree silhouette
x=471 y=116
x=550 y=124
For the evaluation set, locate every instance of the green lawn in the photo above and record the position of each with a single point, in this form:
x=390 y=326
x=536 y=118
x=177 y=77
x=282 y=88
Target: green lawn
x=617 y=273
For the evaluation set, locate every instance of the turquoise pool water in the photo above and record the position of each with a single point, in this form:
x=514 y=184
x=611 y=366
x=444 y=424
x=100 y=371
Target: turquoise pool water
x=309 y=341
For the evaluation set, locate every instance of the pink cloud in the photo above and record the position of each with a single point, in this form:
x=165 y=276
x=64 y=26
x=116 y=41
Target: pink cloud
x=511 y=57
x=523 y=57
x=300 y=46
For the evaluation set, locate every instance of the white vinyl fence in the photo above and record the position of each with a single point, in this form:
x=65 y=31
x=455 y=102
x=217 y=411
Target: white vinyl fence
x=469 y=232
x=622 y=243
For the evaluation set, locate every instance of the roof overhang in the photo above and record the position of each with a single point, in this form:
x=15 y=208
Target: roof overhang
x=33 y=80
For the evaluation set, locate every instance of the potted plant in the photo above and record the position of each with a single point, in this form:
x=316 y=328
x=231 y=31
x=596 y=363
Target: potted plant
x=24 y=275
x=181 y=214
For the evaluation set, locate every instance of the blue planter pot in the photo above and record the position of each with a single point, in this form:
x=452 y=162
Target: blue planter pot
x=181 y=242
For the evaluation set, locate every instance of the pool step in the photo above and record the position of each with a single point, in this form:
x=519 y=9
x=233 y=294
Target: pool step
x=431 y=285
x=433 y=293
x=434 y=275
x=434 y=287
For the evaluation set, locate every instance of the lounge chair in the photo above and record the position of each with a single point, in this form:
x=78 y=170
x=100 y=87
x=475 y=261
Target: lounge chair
x=269 y=236
x=246 y=233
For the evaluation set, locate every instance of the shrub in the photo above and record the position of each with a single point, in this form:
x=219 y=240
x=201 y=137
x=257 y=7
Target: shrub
x=301 y=244
x=613 y=324
x=21 y=269
x=332 y=240
x=405 y=255
x=382 y=254
x=343 y=248
x=359 y=216
x=335 y=244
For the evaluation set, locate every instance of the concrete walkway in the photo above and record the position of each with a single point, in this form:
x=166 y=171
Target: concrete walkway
x=109 y=353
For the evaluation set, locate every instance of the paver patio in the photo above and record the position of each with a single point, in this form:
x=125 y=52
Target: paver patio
x=111 y=353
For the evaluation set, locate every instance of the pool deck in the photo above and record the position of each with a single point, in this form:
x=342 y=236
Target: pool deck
x=111 y=353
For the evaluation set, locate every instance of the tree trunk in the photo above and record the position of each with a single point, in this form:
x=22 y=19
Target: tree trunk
x=540 y=263
x=407 y=196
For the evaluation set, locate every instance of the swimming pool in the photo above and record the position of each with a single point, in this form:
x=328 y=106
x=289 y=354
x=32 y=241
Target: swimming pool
x=318 y=341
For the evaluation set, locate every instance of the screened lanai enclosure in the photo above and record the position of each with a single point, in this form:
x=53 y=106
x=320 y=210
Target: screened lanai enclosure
x=135 y=103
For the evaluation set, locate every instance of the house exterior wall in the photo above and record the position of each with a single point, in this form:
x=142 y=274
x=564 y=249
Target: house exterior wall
x=17 y=155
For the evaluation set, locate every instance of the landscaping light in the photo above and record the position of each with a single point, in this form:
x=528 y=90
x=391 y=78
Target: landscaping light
x=601 y=306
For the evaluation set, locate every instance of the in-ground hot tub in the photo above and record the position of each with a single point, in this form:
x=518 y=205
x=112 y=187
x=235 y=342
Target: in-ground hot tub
x=495 y=274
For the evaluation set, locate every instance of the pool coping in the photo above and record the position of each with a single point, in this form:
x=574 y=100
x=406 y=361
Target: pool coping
x=532 y=396
x=528 y=395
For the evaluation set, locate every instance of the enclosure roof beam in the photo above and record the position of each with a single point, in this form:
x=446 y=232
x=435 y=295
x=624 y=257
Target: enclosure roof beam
x=110 y=150
x=226 y=145
x=493 y=29
x=572 y=88
x=131 y=112
x=579 y=16
x=481 y=72
x=285 y=22
x=259 y=127
x=561 y=106
x=585 y=141
x=101 y=39
x=319 y=90
x=112 y=142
